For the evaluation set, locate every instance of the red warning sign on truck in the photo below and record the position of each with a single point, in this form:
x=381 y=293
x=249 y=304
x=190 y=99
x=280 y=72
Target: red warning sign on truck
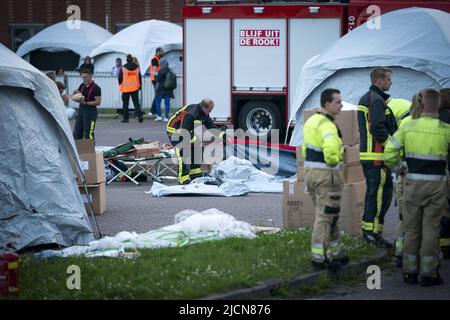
x=259 y=38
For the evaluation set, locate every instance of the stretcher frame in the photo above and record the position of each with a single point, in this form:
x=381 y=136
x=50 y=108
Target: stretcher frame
x=144 y=165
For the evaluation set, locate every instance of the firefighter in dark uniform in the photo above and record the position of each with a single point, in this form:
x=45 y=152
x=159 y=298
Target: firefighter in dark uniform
x=182 y=126
x=87 y=111
x=376 y=124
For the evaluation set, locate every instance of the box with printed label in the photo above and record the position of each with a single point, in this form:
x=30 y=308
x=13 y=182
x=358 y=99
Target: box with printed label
x=96 y=195
x=91 y=162
x=298 y=207
x=299 y=211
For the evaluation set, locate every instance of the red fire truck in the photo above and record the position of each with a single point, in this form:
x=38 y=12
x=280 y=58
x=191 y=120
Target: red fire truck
x=247 y=57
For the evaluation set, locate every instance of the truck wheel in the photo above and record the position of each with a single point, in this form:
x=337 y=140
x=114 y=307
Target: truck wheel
x=259 y=118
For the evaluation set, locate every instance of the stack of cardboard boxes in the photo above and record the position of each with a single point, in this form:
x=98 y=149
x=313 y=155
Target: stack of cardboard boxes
x=298 y=209
x=94 y=172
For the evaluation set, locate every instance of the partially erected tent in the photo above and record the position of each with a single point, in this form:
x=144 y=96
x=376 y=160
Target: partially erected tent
x=39 y=198
x=60 y=46
x=414 y=42
x=141 y=40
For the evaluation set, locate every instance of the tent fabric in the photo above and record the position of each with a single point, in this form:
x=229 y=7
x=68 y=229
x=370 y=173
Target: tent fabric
x=59 y=37
x=415 y=42
x=38 y=194
x=141 y=40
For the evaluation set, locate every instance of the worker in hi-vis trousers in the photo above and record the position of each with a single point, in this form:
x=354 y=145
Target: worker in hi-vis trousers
x=425 y=143
x=181 y=126
x=376 y=124
x=404 y=111
x=322 y=150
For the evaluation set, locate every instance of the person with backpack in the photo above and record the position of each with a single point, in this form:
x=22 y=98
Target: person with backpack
x=166 y=83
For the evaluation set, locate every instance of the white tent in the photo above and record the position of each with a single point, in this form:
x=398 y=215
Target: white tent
x=60 y=38
x=415 y=42
x=141 y=40
x=39 y=199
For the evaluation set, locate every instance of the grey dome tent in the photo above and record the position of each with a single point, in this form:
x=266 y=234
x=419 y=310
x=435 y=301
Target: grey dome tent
x=39 y=198
x=59 y=46
x=414 y=42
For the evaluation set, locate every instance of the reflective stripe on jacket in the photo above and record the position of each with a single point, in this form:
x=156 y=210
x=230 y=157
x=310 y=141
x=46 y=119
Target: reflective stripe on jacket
x=425 y=145
x=322 y=146
x=376 y=124
x=130 y=80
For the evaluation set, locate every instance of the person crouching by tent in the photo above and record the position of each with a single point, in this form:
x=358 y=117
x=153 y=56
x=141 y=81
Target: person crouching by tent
x=130 y=82
x=87 y=111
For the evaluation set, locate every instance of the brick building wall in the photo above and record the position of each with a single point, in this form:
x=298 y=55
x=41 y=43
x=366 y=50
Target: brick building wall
x=23 y=18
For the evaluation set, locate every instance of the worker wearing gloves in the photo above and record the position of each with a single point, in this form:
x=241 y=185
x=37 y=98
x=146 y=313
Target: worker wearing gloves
x=425 y=144
x=376 y=125
x=322 y=150
x=184 y=125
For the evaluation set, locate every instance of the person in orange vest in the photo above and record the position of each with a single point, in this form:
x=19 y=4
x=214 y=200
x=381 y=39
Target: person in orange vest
x=155 y=65
x=130 y=83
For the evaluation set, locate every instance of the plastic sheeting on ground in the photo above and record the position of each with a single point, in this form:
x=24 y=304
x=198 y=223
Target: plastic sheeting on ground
x=242 y=171
x=190 y=227
x=199 y=187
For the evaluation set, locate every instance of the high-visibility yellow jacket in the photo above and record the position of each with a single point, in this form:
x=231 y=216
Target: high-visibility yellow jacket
x=400 y=108
x=322 y=144
x=425 y=144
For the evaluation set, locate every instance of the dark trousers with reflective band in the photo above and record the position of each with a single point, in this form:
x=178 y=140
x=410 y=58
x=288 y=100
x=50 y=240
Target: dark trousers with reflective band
x=85 y=123
x=187 y=170
x=424 y=204
x=400 y=236
x=378 y=197
x=325 y=188
x=126 y=102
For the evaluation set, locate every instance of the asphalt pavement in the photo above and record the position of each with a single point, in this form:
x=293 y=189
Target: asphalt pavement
x=129 y=208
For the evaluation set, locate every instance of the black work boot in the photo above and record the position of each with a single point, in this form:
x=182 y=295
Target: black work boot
x=399 y=261
x=410 y=278
x=195 y=176
x=430 y=281
x=318 y=266
x=380 y=242
x=445 y=252
x=185 y=182
x=343 y=261
x=369 y=237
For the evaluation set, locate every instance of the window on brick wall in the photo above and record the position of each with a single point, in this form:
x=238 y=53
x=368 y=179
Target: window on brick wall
x=22 y=32
x=121 y=26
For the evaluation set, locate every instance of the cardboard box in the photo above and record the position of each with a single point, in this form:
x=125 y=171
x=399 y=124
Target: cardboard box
x=353 y=173
x=298 y=208
x=351 y=155
x=96 y=194
x=299 y=211
x=300 y=161
x=347 y=122
x=91 y=162
x=146 y=150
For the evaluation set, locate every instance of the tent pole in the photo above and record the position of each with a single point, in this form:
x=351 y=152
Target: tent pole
x=97 y=233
